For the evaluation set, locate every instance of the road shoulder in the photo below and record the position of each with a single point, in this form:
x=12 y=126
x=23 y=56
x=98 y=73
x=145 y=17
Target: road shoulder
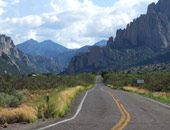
x=30 y=126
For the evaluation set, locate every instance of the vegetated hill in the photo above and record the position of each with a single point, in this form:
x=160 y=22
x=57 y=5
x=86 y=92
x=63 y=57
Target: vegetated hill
x=16 y=62
x=146 y=40
x=163 y=67
x=46 y=48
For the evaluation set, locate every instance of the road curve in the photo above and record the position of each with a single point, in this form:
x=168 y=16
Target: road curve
x=103 y=108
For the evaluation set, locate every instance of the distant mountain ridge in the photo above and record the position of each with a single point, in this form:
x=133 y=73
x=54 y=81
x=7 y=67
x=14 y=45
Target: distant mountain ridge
x=59 y=53
x=16 y=62
x=144 y=41
x=51 y=49
x=64 y=59
x=101 y=43
x=46 y=48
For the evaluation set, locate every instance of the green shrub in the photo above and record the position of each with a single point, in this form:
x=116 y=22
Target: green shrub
x=12 y=100
x=4 y=100
x=157 y=81
x=47 y=111
x=12 y=87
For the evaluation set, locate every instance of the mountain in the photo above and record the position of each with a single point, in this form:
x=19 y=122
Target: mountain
x=50 y=49
x=101 y=43
x=64 y=59
x=163 y=67
x=146 y=40
x=46 y=48
x=16 y=62
x=151 y=30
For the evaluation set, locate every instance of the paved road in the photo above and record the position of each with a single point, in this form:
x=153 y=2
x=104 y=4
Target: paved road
x=107 y=109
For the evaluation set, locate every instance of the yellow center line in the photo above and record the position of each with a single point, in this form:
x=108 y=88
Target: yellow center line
x=122 y=118
x=123 y=111
x=127 y=119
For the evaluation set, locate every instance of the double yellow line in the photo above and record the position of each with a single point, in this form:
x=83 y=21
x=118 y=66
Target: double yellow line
x=124 y=120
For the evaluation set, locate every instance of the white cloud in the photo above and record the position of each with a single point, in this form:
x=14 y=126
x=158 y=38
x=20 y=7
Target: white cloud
x=73 y=45
x=15 y=1
x=32 y=34
x=1 y=11
x=62 y=5
x=68 y=22
x=3 y=3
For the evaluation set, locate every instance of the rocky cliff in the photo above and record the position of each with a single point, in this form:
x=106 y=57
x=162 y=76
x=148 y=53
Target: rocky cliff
x=145 y=38
x=17 y=62
x=151 y=30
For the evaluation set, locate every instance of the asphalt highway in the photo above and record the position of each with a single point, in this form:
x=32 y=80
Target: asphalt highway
x=103 y=108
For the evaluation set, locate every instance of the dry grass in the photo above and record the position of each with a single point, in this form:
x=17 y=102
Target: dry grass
x=59 y=102
x=129 y=88
x=21 y=114
x=110 y=86
x=145 y=91
x=30 y=111
x=65 y=98
x=35 y=95
x=161 y=94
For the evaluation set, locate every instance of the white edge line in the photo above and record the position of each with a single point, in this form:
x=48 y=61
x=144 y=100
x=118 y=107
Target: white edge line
x=158 y=102
x=77 y=112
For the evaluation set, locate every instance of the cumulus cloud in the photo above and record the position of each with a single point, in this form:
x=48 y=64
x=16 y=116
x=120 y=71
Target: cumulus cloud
x=1 y=11
x=69 y=22
x=3 y=3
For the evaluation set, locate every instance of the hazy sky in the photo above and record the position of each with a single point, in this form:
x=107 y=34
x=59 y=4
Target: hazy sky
x=72 y=23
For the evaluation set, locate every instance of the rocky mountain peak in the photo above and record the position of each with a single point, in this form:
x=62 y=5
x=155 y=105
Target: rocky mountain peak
x=110 y=41
x=5 y=42
x=21 y=62
x=151 y=30
x=151 y=8
x=7 y=46
x=32 y=40
x=163 y=7
x=144 y=39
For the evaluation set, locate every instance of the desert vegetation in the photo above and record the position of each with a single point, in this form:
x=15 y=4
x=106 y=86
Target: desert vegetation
x=163 y=67
x=24 y=98
x=156 y=84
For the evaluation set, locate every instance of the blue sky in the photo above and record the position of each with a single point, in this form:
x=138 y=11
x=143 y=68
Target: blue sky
x=71 y=23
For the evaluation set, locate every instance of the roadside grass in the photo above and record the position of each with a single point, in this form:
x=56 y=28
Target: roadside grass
x=36 y=106
x=23 y=98
x=21 y=114
x=159 y=96
x=59 y=103
x=156 y=84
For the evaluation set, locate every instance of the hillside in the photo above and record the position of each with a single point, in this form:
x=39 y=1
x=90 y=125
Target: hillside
x=16 y=62
x=143 y=42
x=164 y=67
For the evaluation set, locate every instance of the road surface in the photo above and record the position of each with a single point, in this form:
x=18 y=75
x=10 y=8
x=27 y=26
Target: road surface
x=103 y=108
